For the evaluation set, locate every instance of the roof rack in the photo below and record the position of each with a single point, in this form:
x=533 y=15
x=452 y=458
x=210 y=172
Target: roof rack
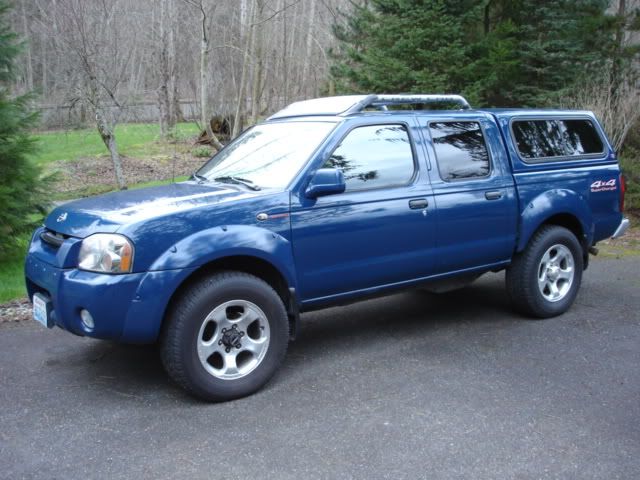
x=350 y=104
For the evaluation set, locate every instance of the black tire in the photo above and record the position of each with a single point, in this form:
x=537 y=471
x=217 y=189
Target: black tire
x=522 y=275
x=179 y=342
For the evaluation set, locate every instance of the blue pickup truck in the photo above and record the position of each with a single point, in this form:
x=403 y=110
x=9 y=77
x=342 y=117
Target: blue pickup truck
x=327 y=202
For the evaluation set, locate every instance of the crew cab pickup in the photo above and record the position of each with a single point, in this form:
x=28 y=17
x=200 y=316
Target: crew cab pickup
x=329 y=201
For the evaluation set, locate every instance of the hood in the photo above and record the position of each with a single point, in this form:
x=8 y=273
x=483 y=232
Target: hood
x=107 y=213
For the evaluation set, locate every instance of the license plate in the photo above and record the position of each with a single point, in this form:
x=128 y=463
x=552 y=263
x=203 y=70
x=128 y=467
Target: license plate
x=41 y=307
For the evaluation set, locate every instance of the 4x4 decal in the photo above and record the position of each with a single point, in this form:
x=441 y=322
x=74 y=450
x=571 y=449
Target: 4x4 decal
x=602 y=186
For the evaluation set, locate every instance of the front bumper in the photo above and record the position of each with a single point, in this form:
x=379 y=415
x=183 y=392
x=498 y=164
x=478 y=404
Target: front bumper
x=622 y=228
x=127 y=308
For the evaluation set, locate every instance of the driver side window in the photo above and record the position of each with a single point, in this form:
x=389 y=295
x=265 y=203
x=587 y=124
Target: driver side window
x=374 y=156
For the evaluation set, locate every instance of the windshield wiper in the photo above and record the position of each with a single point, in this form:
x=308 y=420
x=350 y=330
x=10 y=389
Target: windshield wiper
x=198 y=177
x=237 y=180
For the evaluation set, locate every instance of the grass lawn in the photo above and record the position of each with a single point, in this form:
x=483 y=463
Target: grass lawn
x=12 y=274
x=134 y=140
x=12 y=280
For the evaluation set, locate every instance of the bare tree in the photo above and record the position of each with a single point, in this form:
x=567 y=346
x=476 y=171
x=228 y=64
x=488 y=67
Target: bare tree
x=92 y=32
x=241 y=99
x=616 y=106
x=165 y=62
x=173 y=51
x=206 y=11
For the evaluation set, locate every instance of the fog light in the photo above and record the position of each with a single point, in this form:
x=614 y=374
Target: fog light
x=87 y=319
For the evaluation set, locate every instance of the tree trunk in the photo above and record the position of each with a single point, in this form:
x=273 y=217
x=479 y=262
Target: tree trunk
x=213 y=139
x=205 y=118
x=487 y=18
x=204 y=47
x=619 y=48
x=164 y=102
x=256 y=86
x=176 y=110
x=27 y=51
x=109 y=138
x=45 y=67
x=307 y=57
x=175 y=114
x=237 y=120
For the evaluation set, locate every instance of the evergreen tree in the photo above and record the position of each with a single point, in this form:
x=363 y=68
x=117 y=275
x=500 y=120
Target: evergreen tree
x=21 y=188
x=496 y=52
x=400 y=46
x=533 y=52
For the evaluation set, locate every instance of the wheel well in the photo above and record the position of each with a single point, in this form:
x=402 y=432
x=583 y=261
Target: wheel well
x=248 y=264
x=569 y=222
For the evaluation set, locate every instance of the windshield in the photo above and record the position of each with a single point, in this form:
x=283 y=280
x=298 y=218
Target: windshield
x=266 y=156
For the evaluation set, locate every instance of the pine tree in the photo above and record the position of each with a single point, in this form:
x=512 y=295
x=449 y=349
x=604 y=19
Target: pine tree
x=400 y=46
x=534 y=51
x=496 y=52
x=22 y=191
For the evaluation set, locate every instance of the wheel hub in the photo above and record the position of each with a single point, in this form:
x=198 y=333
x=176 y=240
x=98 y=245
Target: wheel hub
x=231 y=337
x=553 y=271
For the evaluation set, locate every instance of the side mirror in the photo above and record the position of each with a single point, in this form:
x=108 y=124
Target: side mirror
x=325 y=182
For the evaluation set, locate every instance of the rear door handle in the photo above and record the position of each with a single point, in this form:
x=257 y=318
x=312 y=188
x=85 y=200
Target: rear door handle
x=418 y=203
x=493 y=195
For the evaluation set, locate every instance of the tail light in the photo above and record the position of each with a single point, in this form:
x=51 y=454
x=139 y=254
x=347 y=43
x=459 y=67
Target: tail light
x=623 y=189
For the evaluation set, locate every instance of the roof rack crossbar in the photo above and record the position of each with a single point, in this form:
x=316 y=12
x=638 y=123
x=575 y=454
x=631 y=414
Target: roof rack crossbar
x=385 y=100
x=349 y=104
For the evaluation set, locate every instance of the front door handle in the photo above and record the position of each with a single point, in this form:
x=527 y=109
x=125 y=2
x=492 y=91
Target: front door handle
x=493 y=195
x=418 y=203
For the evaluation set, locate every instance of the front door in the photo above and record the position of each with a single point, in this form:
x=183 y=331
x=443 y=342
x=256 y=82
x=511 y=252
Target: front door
x=380 y=231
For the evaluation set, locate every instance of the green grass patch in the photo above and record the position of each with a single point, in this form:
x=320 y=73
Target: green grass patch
x=134 y=140
x=156 y=183
x=619 y=249
x=12 y=273
x=12 y=280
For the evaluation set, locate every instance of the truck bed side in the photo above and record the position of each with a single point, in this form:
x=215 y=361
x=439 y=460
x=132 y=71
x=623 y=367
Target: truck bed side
x=580 y=192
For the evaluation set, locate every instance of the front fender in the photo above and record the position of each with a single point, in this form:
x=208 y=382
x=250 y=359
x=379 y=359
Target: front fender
x=212 y=244
x=549 y=204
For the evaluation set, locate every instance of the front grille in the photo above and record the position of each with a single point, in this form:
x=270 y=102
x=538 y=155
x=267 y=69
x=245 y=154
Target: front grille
x=53 y=239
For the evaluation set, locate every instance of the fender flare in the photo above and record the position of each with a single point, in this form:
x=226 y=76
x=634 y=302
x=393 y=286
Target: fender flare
x=552 y=203
x=215 y=243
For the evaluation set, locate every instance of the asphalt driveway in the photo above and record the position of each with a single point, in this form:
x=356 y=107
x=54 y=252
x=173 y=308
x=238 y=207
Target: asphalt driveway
x=409 y=386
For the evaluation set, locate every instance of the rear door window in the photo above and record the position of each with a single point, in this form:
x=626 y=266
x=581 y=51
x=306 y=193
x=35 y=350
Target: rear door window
x=460 y=150
x=548 y=139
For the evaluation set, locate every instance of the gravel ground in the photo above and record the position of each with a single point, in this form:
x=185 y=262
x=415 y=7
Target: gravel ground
x=15 y=311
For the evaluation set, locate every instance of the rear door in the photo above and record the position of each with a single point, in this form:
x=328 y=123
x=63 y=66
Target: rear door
x=381 y=230
x=473 y=189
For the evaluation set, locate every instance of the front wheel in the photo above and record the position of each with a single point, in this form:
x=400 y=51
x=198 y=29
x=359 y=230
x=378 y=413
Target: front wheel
x=544 y=279
x=225 y=336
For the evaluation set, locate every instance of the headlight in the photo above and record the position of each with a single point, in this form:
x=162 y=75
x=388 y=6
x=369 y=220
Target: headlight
x=106 y=253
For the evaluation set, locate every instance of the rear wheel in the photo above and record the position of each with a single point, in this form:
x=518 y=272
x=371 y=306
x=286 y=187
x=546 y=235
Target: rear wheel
x=225 y=336
x=543 y=281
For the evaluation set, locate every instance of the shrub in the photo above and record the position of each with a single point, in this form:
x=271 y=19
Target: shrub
x=201 y=152
x=630 y=164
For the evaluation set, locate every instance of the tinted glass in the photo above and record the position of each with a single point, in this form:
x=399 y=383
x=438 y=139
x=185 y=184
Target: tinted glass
x=556 y=138
x=268 y=155
x=460 y=150
x=374 y=156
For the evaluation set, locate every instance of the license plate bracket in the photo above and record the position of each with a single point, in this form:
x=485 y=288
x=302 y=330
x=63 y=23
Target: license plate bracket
x=42 y=310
